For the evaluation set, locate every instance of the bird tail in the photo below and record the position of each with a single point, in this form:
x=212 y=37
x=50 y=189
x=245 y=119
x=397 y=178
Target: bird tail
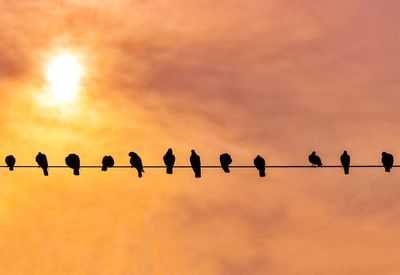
x=140 y=173
x=262 y=173
x=197 y=174
x=11 y=168
x=104 y=168
x=45 y=172
x=226 y=169
x=346 y=170
x=387 y=168
x=169 y=169
x=76 y=171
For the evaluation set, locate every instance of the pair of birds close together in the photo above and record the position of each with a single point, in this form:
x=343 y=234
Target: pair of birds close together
x=41 y=160
x=387 y=161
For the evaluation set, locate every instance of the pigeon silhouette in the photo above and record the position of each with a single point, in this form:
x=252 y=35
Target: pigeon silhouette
x=136 y=162
x=196 y=164
x=314 y=159
x=387 y=161
x=169 y=160
x=73 y=162
x=41 y=160
x=107 y=162
x=10 y=161
x=259 y=163
x=345 y=160
x=225 y=160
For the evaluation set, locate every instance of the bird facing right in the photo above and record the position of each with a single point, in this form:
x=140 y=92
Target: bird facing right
x=225 y=160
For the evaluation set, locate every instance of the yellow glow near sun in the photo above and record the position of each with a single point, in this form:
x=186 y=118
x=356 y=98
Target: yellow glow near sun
x=63 y=74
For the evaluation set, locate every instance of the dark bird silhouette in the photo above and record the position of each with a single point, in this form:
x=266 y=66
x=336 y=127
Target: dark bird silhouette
x=225 y=160
x=136 y=162
x=107 y=162
x=345 y=160
x=41 y=160
x=387 y=161
x=259 y=163
x=196 y=164
x=169 y=160
x=73 y=162
x=314 y=159
x=10 y=161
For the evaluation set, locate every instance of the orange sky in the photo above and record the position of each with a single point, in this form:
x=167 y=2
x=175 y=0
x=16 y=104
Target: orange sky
x=276 y=78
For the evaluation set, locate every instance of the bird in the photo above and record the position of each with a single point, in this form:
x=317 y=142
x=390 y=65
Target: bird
x=225 y=159
x=196 y=164
x=10 y=161
x=73 y=162
x=41 y=160
x=136 y=162
x=169 y=160
x=345 y=160
x=259 y=163
x=387 y=161
x=314 y=159
x=107 y=162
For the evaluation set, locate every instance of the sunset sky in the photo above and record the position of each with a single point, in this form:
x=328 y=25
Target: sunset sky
x=269 y=77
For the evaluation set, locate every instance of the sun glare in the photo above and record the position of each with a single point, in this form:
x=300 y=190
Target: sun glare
x=63 y=74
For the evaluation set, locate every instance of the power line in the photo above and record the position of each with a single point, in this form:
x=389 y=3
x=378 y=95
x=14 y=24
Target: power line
x=209 y=166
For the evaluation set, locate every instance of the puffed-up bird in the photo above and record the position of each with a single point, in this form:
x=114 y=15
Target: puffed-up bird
x=10 y=161
x=169 y=161
x=136 y=162
x=345 y=160
x=259 y=163
x=73 y=162
x=41 y=160
x=387 y=161
x=107 y=162
x=225 y=159
x=196 y=164
x=314 y=159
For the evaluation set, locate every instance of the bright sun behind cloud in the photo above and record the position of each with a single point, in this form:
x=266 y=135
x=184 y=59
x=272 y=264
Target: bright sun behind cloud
x=63 y=74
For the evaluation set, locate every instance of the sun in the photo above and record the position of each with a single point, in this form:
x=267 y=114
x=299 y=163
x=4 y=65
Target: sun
x=64 y=73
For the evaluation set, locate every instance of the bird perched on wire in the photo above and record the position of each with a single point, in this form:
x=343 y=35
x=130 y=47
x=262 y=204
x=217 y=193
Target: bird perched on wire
x=314 y=159
x=225 y=160
x=387 y=161
x=345 y=160
x=107 y=162
x=196 y=164
x=259 y=163
x=10 y=161
x=73 y=162
x=169 y=161
x=41 y=160
x=136 y=162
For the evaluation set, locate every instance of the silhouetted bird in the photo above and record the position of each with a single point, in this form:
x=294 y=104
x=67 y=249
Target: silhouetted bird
x=136 y=162
x=387 y=161
x=107 y=162
x=225 y=160
x=259 y=163
x=196 y=164
x=314 y=159
x=41 y=160
x=169 y=160
x=10 y=161
x=345 y=160
x=73 y=162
